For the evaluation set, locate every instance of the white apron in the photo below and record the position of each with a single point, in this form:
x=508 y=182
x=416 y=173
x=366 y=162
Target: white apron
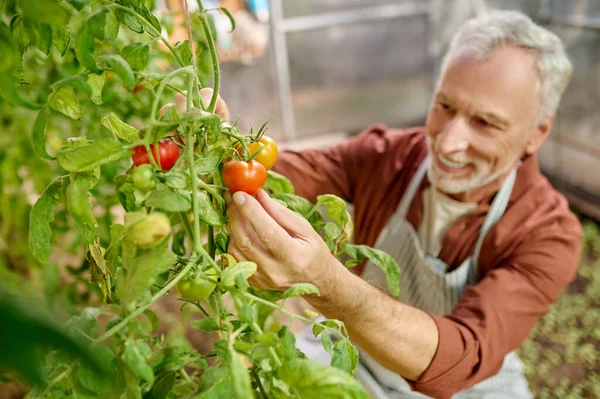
x=425 y=284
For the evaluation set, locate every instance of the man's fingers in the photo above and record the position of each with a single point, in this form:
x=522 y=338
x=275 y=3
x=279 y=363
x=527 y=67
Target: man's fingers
x=245 y=238
x=271 y=234
x=288 y=219
x=221 y=108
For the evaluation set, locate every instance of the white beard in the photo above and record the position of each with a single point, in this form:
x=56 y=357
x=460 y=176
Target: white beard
x=448 y=183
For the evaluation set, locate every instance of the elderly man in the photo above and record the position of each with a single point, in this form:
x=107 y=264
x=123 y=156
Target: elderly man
x=484 y=242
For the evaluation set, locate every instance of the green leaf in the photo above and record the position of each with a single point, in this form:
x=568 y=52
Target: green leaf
x=79 y=4
x=207 y=324
x=94 y=382
x=61 y=37
x=294 y=202
x=97 y=23
x=332 y=323
x=65 y=101
x=241 y=379
x=209 y=163
x=120 y=129
x=337 y=210
x=8 y=89
x=79 y=205
x=39 y=134
x=246 y=269
x=163 y=386
x=331 y=231
x=247 y=314
x=43 y=37
x=310 y=379
x=327 y=345
x=99 y=270
x=177 y=179
x=89 y=157
x=111 y=28
x=345 y=356
x=142 y=270
x=85 y=43
x=382 y=260
x=125 y=192
x=231 y=19
x=168 y=200
x=130 y=20
x=300 y=289
x=136 y=55
x=288 y=344
x=96 y=85
x=135 y=356
x=220 y=389
x=207 y=211
x=40 y=217
x=278 y=183
x=144 y=12
x=122 y=68
x=153 y=318
x=184 y=50
x=41 y=10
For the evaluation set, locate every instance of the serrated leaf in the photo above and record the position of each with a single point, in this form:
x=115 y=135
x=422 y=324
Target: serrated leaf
x=222 y=388
x=288 y=344
x=327 y=344
x=382 y=260
x=65 y=101
x=177 y=179
x=40 y=217
x=136 y=55
x=40 y=10
x=345 y=356
x=135 y=356
x=96 y=85
x=300 y=289
x=79 y=205
x=207 y=211
x=310 y=379
x=241 y=379
x=85 y=43
x=130 y=20
x=89 y=157
x=278 y=183
x=320 y=327
x=148 y=16
x=207 y=164
x=230 y=16
x=163 y=386
x=111 y=28
x=121 y=68
x=39 y=134
x=337 y=210
x=61 y=38
x=168 y=200
x=120 y=129
x=184 y=50
x=247 y=314
x=207 y=324
x=246 y=269
x=99 y=270
x=43 y=37
x=125 y=192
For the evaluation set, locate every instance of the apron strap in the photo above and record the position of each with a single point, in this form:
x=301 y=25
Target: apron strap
x=494 y=214
x=413 y=186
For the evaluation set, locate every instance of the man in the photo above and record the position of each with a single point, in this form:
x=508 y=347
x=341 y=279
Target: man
x=484 y=243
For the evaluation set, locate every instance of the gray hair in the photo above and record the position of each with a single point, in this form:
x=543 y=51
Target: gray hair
x=486 y=33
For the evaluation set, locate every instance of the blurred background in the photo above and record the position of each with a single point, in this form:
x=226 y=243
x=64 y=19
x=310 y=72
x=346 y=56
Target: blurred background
x=326 y=69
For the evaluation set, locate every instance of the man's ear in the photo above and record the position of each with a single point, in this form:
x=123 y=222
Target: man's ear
x=539 y=135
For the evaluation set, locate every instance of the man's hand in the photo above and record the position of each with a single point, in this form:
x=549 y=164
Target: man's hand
x=285 y=247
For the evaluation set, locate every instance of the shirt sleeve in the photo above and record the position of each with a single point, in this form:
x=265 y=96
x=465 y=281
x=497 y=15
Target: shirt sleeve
x=496 y=315
x=335 y=170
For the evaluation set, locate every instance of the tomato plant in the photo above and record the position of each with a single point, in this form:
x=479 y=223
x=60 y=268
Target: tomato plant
x=249 y=177
x=196 y=288
x=168 y=153
x=101 y=245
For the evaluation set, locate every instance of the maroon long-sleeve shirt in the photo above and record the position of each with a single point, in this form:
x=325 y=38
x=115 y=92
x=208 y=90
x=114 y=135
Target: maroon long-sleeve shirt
x=526 y=261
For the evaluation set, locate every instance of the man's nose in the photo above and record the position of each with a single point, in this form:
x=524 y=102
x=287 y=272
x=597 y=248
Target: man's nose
x=454 y=137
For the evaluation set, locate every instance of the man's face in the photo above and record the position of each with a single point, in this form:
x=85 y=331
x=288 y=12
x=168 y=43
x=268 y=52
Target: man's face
x=482 y=119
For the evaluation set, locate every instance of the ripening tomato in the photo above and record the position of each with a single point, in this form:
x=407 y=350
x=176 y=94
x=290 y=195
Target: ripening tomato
x=143 y=177
x=167 y=150
x=195 y=288
x=268 y=155
x=249 y=177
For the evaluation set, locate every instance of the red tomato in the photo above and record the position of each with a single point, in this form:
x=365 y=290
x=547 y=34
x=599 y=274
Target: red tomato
x=249 y=177
x=168 y=152
x=268 y=155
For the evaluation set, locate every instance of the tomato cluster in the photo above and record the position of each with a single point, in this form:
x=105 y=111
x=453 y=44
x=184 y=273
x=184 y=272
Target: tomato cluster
x=251 y=176
x=168 y=152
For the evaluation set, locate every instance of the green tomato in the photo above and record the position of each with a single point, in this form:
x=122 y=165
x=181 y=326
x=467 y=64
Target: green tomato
x=143 y=177
x=147 y=230
x=195 y=288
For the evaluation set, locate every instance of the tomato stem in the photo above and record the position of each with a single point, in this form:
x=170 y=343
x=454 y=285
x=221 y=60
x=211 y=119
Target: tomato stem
x=141 y=309
x=213 y=55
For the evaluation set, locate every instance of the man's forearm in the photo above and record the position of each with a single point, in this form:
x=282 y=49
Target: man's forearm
x=400 y=337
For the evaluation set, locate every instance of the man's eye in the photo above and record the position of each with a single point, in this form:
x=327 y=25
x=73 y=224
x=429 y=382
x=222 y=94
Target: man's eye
x=445 y=106
x=483 y=122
